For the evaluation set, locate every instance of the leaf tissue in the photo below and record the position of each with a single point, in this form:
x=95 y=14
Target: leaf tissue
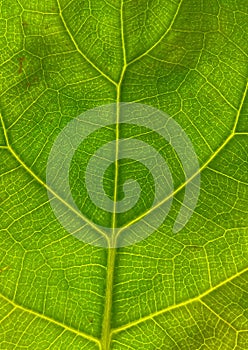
x=123 y=175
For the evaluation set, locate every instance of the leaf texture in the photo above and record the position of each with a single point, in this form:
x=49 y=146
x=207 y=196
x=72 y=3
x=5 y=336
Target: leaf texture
x=185 y=291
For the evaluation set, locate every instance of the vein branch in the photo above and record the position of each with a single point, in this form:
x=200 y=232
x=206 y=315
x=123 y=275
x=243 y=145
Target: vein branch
x=240 y=108
x=50 y=320
x=217 y=315
x=106 y=329
x=106 y=326
x=79 y=50
x=183 y=303
x=180 y=187
x=4 y=132
x=161 y=38
x=102 y=233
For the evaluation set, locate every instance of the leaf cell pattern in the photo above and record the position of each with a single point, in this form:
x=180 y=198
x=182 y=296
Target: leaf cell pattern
x=186 y=291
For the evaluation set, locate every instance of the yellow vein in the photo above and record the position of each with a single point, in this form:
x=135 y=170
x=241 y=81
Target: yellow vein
x=106 y=330
x=180 y=187
x=240 y=108
x=123 y=36
x=199 y=132
x=4 y=131
x=55 y=194
x=215 y=88
x=217 y=315
x=106 y=326
x=208 y=266
x=200 y=216
x=28 y=107
x=196 y=321
x=161 y=38
x=20 y=273
x=51 y=320
x=79 y=50
x=118 y=100
x=233 y=43
x=51 y=345
x=8 y=314
x=227 y=176
x=164 y=330
x=117 y=130
x=183 y=303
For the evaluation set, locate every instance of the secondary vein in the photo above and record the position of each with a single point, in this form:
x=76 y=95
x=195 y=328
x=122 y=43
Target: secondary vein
x=183 y=303
x=78 y=49
x=49 y=319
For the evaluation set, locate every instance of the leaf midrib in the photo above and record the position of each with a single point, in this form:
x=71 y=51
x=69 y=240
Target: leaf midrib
x=125 y=63
x=130 y=324
x=111 y=266
x=106 y=336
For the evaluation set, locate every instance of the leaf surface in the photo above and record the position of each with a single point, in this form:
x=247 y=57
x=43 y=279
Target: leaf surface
x=170 y=291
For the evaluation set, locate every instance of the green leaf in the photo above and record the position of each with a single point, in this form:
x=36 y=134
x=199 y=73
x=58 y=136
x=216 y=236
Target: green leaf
x=187 y=58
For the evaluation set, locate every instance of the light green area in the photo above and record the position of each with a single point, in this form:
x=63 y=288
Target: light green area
x=242 y=126
x=2 y=138
x=184 y=291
